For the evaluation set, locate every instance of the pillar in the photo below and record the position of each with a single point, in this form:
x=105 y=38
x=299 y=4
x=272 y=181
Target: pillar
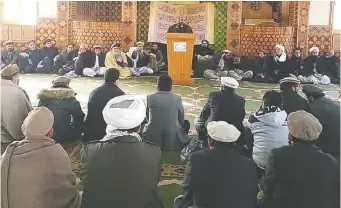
x=302 y=26
x=234 y=21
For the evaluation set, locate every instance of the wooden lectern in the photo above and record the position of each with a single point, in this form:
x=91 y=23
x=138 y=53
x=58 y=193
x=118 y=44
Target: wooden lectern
x=180 y=54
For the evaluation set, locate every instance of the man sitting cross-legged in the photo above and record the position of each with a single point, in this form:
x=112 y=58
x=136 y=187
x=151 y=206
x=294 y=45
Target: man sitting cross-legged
x=166 y=125
x=121 y=170
x=95 y=125
x=99 y=68
x=157 y=62
x=139 y=60
x=219 y=177
x=49 y=52
x=116 y=59
x=30 y=58
x=68 y=114
x=301 y=175
x=36 y=172
x=9 y=56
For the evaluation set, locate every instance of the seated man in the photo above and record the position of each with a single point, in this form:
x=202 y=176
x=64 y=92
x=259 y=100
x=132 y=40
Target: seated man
x=202 y=58
x=314 y=68
x=220 y=65
x=301 y=175
x=219 y=177
x=68 y=114
x=64 y=62
x=266 y=129
x=223 y=105
x=157 y=62
x=30 y=58
x=240 y=68
x=84 y=60
x=48 y=52
x=138 y=61
x=99 y=68
x=36 y=172
x=166 y=125
x=327 y=112
x=292 y=101
x=118 y=60
x=10 y=55
x=95 y=125
x=121 y=170
x=260 y=68
x=279 y=65
x=297 y=63
x=332 y=67
x=15 y=106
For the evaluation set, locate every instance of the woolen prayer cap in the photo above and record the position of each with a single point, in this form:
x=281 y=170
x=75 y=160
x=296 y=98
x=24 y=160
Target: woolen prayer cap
x=140 y=43
x=61 y=80
x=124 y=112
x=229 y=82
x=304 y=126
x=226 y=51
x=97 y=46
x=9 y=42
x=9 y=71
x=280 y=47
x=222 y=131
x=38 y=122
x=289 y=80
x=116 y=45
x=311 y=90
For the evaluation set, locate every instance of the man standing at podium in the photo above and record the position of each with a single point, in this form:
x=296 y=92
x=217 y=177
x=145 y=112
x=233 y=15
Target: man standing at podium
x=180 y=27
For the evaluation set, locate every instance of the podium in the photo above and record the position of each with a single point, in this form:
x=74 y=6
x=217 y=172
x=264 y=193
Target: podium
x=180 y=55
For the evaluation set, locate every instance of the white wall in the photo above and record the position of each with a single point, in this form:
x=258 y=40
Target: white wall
x=319 y=13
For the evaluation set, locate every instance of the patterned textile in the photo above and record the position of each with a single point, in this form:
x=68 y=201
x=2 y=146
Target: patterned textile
x=143 y=12
x=220 y=20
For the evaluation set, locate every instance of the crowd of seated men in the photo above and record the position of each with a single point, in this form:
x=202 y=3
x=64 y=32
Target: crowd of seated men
x=268 y=68
x=84 y=61
x=287 y=154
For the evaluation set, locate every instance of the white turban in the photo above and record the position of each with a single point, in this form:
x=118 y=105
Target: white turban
x=124 y=112
x=280 y=47
x=222 y=131
x=229 y=82
x=313 y=49
x=226 y=51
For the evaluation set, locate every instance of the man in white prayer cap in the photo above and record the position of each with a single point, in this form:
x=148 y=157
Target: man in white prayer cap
x=223 y=105
x=220 y=177
x=121 y=170
x=301 y=175
x=279 y=65
x=314 y=68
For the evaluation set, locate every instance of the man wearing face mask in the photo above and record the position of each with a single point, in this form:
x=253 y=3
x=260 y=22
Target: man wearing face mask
x=279 y=64
x=9 y=56
x=157 y=62
x=202 y=58
x=139 y=60
x=30 y=58
x=118 y=60
x=297 y=62
x=332 y=67
x=314 y=68
x=180 y=27
x=15 y=106
x=220 y=65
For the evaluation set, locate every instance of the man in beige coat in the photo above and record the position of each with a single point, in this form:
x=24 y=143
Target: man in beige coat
x=36 y=172
x=15 y=106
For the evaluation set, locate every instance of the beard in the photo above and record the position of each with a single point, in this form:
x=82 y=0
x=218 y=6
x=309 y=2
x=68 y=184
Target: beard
x=153 y=50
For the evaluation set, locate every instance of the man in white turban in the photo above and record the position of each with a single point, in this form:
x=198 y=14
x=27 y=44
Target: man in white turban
x=214 y=177
x=279 y=65
x=314 y=68
x=301 y=175
x=139 y=60
x=121 y=163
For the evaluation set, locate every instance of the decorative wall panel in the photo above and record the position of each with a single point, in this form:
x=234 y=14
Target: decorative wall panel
x=63 y=20
x=143 y=13
x=108 y=10
x=220 y=22
x=96 y=33
x=256 y=38
x=84 y=11
x=256 y=10
x=293 y=18
x=129 y=16
x=234 y=21
x=302 y=26
x=336 y=43
x=320 y=36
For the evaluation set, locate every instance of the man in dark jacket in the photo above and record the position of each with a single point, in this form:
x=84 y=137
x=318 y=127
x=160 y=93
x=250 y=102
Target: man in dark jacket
x=64 y=62
x=48 y=52
x=301 y=175
x=292 y=101
x=84 y=59
x=297 y=63
x=220 y=177
x=221 y=63
x=223 y=105
x=68 y=114
x=99 y=97
x=10 y=55
x=157 y=62
x=314 y=64
x=121 y=170
x=332 y=67
x=260 y=68
x=98 y=58
x=279 y=65
x=139 y=60
x=202 y=58
x=180 y=27
x=327 y=112
x=30 y=58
